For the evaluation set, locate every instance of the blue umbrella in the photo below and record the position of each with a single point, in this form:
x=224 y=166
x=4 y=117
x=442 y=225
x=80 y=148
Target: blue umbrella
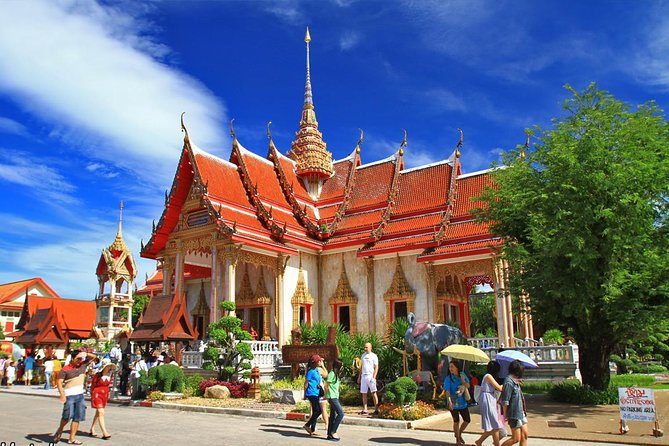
x=513 y=355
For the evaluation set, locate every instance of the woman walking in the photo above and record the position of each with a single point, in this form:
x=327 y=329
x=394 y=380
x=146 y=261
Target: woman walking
x=490 y=421
x=454 y=386
x=513 y=405
x=312 y=386
x=336 y=411
x=99 y=397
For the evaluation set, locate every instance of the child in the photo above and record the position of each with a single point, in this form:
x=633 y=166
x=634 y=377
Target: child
x=10 y=372
x=513 y=404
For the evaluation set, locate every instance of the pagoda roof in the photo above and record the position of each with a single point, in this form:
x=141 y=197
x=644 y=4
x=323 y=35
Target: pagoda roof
x=375 y=207
x=164 y=319
x=12 y=290
x=48 y=320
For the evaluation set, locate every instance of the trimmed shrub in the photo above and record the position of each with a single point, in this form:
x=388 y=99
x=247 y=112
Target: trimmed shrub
x=193 y=384
x=401 y=391
x=648 y=369
x=302 y=407
x=573 y=392
x=265 y=392
x=288 y=384
x=156 y=395
x=349 y=394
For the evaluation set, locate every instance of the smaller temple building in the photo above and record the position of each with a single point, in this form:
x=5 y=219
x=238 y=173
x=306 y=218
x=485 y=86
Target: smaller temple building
x=12 y=299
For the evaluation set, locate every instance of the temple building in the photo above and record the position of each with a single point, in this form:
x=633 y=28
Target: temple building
x=12 y=299
x=301 y=237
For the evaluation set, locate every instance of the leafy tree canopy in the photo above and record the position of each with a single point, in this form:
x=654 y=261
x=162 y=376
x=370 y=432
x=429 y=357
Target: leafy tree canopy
x=584 y=214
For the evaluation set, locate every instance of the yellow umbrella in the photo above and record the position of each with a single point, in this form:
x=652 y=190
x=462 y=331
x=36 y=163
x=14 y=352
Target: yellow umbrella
x=466 y=353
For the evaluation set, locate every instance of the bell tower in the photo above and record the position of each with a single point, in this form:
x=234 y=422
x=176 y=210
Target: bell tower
x=116 y=273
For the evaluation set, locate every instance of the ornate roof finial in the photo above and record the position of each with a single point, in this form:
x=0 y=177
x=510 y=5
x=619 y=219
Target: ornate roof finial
x=404 y=143
x=183 y=128
x=269 y=132
x=460 y=143
x=119 y=244
x=362 y=137
x=232 y=128
x=308 y=98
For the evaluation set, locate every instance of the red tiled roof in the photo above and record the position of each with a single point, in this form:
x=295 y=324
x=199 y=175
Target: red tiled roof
x=368 y=220
x=372 y=184
x=422 y=223
x=468 y=188
x=421 y=189
x=461 y=249
x=263 y=176
x=336 y=185
x=406 y=243
x=288 y=167
x=222 y=179
x=72 y=319
x=164 y=319
x=11 y=289
x=470 y=228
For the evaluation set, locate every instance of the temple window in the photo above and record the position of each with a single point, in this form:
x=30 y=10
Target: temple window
x=400 y=297
x=344 y=303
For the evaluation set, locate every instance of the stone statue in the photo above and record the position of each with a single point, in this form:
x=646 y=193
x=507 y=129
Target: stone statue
x=429 y=340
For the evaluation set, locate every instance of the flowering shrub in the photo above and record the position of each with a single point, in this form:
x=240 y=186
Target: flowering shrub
x=237 y=389
x=156 y=395
x=414 y=411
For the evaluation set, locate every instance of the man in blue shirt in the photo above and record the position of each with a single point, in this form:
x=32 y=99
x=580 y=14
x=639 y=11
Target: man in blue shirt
x=29 y=365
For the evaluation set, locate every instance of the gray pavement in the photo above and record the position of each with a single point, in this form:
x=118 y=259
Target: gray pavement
x=28 y=419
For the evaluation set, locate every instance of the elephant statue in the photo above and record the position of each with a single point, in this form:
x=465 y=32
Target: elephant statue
x=429 y=340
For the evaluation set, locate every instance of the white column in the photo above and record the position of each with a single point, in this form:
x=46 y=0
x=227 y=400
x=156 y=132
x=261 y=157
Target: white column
x=231 y=272
x=179 y=274
x=213 y=292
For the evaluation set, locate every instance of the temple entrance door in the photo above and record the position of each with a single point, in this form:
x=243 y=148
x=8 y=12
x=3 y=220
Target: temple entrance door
x=256 y=320
x=400 y=310
x=344 y=317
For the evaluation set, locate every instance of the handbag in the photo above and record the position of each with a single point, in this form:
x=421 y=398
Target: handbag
x=468 y=397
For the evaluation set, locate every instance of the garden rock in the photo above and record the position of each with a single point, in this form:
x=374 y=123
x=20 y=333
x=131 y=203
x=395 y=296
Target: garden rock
x=217 y=392
x=287 y=396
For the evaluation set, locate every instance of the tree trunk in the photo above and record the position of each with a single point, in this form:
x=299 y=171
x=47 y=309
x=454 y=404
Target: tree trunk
x=594 y=362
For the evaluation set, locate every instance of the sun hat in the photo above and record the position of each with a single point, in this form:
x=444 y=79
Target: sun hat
x=316 y=358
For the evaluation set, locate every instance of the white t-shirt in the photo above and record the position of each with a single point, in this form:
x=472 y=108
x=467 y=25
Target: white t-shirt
x=11 y=372
x=48 y=366
x=369 y=360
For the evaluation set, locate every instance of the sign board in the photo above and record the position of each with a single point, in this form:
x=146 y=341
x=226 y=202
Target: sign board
x=636 y=404
x=293 y=354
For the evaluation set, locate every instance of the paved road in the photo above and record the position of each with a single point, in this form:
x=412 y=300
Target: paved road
x=31 y=420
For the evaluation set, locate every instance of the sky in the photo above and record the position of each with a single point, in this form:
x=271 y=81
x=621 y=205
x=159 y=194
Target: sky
x=91 y=95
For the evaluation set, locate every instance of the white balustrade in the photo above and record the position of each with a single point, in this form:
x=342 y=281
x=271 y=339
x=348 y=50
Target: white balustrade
x=266 y=355
x=483 y=343
x=545 y=354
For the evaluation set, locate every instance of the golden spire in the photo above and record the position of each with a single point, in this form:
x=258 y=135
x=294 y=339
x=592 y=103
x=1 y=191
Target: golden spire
x=313 y=160
x=119 y=244
x=460 y=143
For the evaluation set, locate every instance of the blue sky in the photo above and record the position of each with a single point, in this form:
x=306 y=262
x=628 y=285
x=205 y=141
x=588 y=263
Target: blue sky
x=91 y=94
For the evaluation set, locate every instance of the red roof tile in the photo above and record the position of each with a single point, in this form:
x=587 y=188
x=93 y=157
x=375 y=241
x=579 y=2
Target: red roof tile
x=74 y=318
x=360 y=220
x=425 y=188
x=372 y=185
x=222 y=179
x=9 y=290
x=461 y=249
x=336 y=185
x=468 y=188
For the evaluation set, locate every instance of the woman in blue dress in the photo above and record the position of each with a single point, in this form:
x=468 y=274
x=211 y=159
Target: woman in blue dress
x=454 y=386
x=313 y=385
x=490 y=419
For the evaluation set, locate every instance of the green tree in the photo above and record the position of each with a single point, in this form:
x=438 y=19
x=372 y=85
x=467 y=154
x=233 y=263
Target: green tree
x=483 y=310
x=139 y=303
x=2 y=333
x=584 y=216
x=225 y=351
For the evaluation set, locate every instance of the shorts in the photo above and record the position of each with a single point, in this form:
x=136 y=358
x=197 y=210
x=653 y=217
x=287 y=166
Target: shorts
x=455 y=413
x=28 y=374
x=367 y=384
x=74 y=408
x=516 y=423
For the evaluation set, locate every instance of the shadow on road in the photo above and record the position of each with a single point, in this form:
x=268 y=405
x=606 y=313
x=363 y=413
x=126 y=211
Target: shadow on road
x=42 y=438
x=283 y=430
x=404 y=440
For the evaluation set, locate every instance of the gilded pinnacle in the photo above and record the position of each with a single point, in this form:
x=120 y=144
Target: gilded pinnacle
x=307 y=37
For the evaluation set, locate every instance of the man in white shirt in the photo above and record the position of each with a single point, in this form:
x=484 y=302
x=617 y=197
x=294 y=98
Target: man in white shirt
x=367 y=378
x=115 y=354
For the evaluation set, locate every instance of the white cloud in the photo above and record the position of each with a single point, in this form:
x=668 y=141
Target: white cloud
x=46 y=182
x=12 y=127
x=287 y=10
x=102 y=170
x=93 y=73
x=349 y=40
x=651 y=54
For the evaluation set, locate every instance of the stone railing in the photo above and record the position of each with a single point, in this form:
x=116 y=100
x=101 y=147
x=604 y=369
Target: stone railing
x=483 y=343
x=266 y=355
x=545 y=354
x=191 y=360
x=118 y=297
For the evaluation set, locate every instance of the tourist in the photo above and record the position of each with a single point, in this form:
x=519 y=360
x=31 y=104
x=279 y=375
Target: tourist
x=513 y=405
x=126 y=368
x=490 y=421
x=99 y=397
x=367 y=378
x=48 y=370
x=473 y=382
x=28 y=367
x=70 y=385
x=10 y=373
x=115 y=354
x=57 y=367
x=322 y=399
x=454 y=387
x=313 y=385
x=332 y=391
x=141 y=365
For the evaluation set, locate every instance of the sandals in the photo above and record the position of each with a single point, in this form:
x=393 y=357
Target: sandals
x=106 y=437
x=74 y=442
x=56 y=437
x=91 y=434
x=363 y=412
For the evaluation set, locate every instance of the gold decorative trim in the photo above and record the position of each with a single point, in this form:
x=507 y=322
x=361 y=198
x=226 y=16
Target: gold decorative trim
x=258 y=259
x=244 y=297
x=344 y=296
x=301 y=297
x=399 y=288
